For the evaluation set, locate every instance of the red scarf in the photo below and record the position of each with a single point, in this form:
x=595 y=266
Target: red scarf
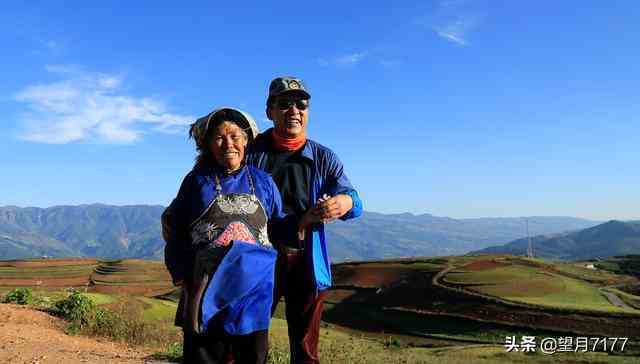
x=288 y=144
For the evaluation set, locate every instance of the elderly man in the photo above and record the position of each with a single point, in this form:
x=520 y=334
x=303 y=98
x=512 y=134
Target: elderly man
x=314 y=188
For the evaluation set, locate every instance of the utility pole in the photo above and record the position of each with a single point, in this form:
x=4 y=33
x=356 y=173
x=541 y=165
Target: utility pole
x=530 y=245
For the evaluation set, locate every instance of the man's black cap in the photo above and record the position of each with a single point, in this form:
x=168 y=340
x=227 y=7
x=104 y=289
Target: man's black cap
x=287 y=84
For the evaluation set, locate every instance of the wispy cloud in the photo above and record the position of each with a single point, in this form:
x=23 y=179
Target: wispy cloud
x=91 y=106
x=456 y=30
x=455 y=20
x=350 y=59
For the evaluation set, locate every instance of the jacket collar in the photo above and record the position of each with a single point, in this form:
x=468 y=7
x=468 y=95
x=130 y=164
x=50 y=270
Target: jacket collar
x=263 y=143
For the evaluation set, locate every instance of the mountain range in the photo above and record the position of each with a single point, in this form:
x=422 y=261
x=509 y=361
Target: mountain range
x=612 y=238
x=106 y=231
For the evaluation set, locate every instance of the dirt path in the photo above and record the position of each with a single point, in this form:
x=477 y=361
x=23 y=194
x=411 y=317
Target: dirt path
x=615 y=300
x=34 y=337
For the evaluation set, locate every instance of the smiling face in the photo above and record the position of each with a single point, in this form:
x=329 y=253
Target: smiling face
x=289 y=122
x=228 y=143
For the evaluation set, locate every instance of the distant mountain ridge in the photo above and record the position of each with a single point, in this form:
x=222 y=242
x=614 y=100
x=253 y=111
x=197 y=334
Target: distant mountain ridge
x=106 y=231
x=85 y=230
x=612 y=238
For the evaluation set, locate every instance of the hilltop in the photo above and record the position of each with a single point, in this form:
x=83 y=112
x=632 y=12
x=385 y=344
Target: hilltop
x=613 y=238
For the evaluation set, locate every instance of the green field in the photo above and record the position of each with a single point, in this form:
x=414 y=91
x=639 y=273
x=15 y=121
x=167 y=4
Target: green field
x=158 y=310
x=518 y=281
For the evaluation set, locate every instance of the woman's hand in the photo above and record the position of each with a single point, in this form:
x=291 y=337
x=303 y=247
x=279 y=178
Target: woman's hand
x=312 y=216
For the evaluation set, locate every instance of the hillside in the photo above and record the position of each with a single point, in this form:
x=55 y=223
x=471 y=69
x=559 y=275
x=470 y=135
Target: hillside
x=115 y=232
x=612 y=238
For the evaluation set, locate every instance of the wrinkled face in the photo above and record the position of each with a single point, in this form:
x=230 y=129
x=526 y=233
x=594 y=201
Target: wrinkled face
x=290 y=115
x=228 y=143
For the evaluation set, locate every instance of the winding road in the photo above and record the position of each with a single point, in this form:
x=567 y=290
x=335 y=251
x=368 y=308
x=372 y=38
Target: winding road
x=615 y=300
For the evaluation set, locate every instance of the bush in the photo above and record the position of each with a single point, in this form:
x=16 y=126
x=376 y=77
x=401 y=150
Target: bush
x=21 y=296
x=124 y=321
x=107 y=323
x=77 y=309
x=171 y=353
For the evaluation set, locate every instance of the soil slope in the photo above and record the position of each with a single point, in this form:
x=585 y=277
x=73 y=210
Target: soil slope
x=34 y=337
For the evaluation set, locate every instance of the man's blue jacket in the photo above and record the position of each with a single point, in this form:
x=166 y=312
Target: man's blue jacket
x=327 y=176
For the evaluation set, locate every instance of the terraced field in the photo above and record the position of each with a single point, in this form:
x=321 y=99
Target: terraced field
x=537 y=283
x=53 y=273
x=131 y=276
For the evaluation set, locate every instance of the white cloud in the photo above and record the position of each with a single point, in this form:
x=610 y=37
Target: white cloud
x=350 y=59
x=87 y=106
x=456 y=30
x=455 y=20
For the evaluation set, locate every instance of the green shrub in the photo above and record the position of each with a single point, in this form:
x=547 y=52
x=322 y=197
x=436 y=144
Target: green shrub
x=78 y=309
x=107 y=323
x=171 y=352
x=124 y=321
x=21 y=296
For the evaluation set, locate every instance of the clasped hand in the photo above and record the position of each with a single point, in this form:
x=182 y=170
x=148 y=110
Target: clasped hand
x=327 y=209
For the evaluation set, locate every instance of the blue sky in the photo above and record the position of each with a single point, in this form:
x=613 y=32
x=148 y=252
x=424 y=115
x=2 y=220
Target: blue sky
x=458 y=108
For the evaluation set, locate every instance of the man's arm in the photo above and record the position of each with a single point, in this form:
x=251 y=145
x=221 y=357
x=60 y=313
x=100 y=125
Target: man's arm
x=175 y=235
x=343 y=201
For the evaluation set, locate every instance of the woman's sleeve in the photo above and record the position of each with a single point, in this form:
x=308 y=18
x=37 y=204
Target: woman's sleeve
x=175 y=232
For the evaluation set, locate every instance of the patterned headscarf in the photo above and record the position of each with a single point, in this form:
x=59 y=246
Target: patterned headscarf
x=199 y=129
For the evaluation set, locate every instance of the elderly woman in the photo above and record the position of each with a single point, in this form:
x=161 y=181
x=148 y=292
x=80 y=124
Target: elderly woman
x=218 y=249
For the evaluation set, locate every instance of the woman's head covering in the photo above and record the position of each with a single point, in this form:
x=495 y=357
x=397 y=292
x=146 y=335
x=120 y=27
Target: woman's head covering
x=201 y=128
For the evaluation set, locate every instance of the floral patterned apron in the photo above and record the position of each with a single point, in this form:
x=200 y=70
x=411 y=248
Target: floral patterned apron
x=235 y=216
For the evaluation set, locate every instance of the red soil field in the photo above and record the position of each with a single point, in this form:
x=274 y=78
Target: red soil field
x=480 y=265
x=368 y=277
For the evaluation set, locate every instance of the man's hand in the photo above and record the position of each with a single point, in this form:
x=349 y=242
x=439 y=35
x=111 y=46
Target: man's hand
x=327 y=209
x=331 y=208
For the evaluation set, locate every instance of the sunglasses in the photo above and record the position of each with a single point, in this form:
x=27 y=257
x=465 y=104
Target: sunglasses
x=285 y=104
